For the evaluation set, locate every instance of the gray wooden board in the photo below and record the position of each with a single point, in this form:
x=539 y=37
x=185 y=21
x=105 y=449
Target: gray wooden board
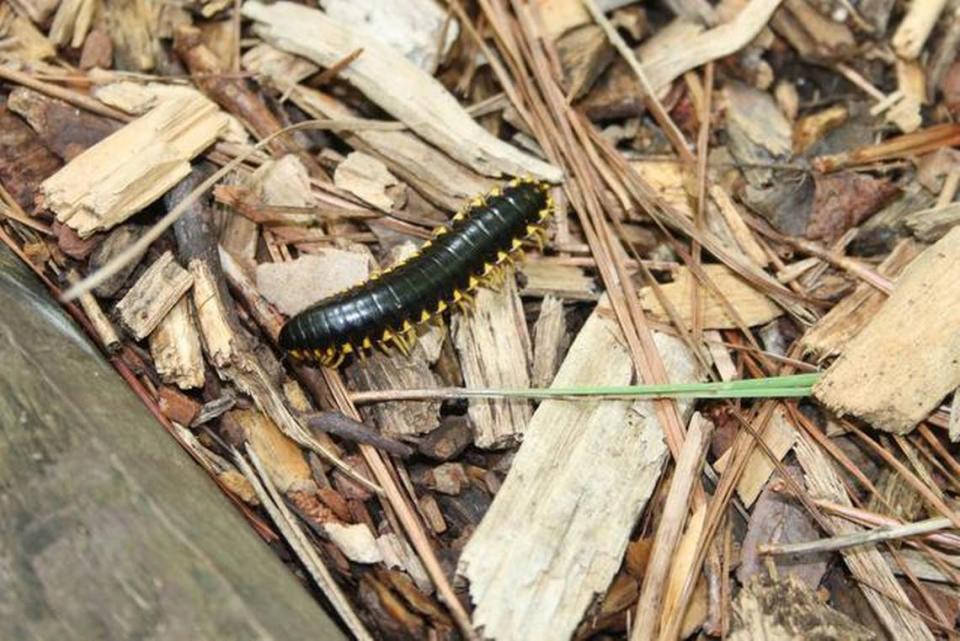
x=108 y=530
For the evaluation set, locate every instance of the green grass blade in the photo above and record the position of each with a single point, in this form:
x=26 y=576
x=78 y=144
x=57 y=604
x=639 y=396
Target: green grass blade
x=794 y=386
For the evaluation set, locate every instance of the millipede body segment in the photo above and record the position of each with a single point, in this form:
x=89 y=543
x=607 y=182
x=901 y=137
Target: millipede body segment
x=386 y=309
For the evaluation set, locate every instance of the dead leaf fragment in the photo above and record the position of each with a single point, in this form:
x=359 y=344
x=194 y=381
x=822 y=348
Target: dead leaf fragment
x=843 y=200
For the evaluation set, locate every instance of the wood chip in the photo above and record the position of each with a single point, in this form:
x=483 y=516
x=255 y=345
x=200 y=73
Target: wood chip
x=283 y=460
x=369 y=179
x=431 y=172
x=381 y=372
x=175 y=347
x=494 y=349
x=930 y=225
x=153 y=296
x=834 y=330
x=549 y=341
x=567 y=282
x=916 y=27
x=295 y=285
x=556 y=472
x=864 y=562
x=396 y=85
x=356 y=541
x=897 y=370
x=752 y=306
x=788 y=609
x=133 y=167
x=779 y=437
x=411 y=27
x=178 y=406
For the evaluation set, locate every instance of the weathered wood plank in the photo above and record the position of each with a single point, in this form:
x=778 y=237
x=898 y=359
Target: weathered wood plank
x=107 y=529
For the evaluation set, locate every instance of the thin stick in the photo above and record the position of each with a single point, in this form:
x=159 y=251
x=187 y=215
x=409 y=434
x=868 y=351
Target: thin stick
x=653 y=103
x=868 y=519
x=273 y=503
x=674 y=515
x=74 y=98
x=883 y=533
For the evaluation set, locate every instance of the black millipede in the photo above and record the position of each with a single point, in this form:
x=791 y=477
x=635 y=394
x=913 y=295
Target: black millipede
x=386 y=309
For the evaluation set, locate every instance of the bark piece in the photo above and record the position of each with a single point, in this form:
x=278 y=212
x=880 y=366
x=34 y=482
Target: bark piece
x=125 y=172
x=752 y=306
x=787 y=609
x=449 y=440
x=396 y=85
x=24 y=159
x=177 y=406
x=97 y=51
x=905 y=361
x=66 y=130
x=72 y=245
x=175 y=347
x=843 y=200
x=779 y=519
x=115 y=242
x=153 y=296
x=494 y=350
x=607 y=455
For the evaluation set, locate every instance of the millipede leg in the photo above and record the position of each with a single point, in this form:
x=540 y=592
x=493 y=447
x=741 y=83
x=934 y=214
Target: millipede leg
x=401 y=344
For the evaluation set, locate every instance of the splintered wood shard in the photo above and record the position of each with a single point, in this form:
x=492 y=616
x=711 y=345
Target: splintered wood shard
x=879 y=585
x=494 y=349
x=153 y=296
x=395 y=84
x=555 y=535
x=133 y=167
x=907 y=358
